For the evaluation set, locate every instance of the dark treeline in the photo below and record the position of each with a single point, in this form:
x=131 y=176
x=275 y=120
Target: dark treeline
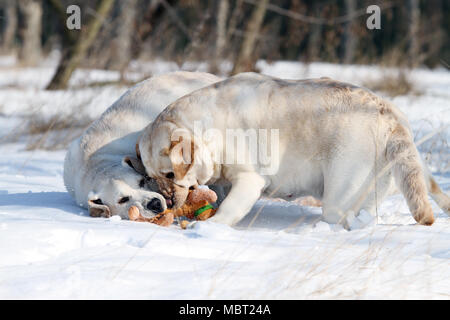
x=413 y=32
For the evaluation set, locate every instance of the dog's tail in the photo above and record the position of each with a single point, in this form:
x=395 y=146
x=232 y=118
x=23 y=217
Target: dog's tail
x=439 y=196
x=409 y=174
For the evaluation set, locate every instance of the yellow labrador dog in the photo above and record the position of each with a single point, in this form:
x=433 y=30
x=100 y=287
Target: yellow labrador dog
x=101 y=170
x=335 y=141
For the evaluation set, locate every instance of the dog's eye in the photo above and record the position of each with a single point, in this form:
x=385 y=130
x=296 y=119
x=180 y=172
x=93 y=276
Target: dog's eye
x=141 y=183
x=170 y=175
x=124 y=199
x=97 y=201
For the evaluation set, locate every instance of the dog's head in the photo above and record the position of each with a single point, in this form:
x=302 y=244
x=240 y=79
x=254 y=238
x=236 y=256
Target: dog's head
x=175 y=159
x=121 y=186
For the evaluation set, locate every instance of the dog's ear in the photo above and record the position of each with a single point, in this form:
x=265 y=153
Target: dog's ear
x=134 y=163
x=181 y=154
x=98 y=209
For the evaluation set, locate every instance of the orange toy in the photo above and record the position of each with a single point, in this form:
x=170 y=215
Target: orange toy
x=197 y=206
x=161 y=219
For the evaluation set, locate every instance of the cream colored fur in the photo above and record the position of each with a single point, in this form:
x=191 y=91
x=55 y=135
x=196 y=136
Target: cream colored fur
x=94 y=166
x=334 y=139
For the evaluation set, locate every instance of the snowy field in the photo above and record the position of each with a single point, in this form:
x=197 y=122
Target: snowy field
x=51 y=248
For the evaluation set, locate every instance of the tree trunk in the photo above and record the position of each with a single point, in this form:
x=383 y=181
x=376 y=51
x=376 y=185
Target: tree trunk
x=74 y=54
x=30 y=50
x=235 y=15
x=122 y=43
x=10 y=28
x=314 y=43
x=245 y=60
x=414 y=21
x=222 y=15
x=350 y=39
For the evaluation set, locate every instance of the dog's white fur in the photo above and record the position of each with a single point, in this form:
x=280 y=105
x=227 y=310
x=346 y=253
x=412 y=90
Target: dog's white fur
x=334 y=138
x=102 y=163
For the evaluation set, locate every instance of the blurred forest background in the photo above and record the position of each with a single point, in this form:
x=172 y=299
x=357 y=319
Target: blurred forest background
x=113 y=33
x=55 y=81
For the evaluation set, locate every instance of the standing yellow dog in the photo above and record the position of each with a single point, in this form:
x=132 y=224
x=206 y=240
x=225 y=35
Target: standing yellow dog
x=337 y=142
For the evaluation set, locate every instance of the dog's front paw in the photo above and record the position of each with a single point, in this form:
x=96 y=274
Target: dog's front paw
x=362 y=220
x=223 y=218
x=191 y=225
x=186 y=224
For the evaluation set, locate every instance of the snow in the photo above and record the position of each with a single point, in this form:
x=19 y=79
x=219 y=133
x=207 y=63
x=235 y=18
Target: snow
x=51 y=248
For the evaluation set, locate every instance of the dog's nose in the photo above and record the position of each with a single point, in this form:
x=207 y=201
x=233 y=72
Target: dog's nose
x=155 y=205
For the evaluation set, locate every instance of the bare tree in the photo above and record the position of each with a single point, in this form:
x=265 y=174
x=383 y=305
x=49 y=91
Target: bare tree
x=414 y=20
x=10 y=26
x=245 y=60
x=76 y=51
x=234 y=17
x=30 y=33
x=314 y=43
x=121 y=45
x=350 y=39
x=222 y=15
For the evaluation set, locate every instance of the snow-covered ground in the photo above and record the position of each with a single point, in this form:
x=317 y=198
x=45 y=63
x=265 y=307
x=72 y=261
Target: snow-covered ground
x=51 y=248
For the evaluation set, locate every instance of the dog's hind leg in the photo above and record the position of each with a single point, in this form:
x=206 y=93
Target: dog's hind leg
x=350 y=187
